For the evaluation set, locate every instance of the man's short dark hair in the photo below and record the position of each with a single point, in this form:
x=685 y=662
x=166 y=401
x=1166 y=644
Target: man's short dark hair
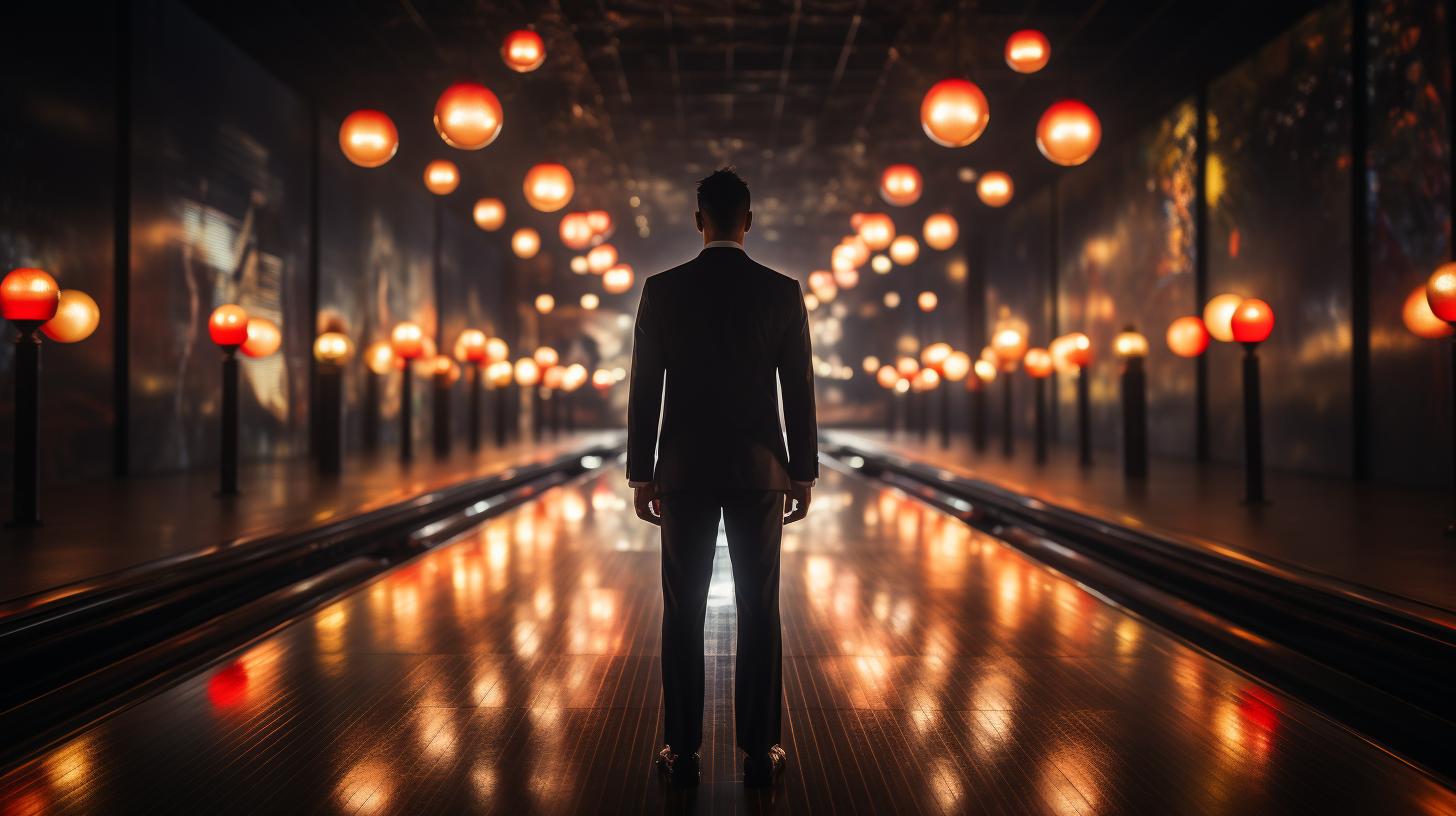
x=723 y=199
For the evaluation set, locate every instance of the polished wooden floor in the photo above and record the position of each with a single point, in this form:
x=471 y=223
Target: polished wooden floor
x=929 y=669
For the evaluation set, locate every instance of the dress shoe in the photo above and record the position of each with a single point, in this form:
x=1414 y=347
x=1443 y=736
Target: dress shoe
x=680 y=771
x=763 y=771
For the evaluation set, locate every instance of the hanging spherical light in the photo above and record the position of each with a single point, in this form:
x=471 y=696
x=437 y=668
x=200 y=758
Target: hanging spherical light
x=941 y=231
x=859 y=251
x=822 y=284
x=846 y=278
x=552 y=377
x=523 y=51
x=490 y=214
x=500 y=373
x=927 y=301
x=877 y=230
x=1129 y=344
x=601 y=222
x=1218 y=313
x=590 y=301
x=548 y=187
x=1441 y=292
x=263 y=338
x=1416 y=313
x=870 y=364
x=545 y=303
x=31 y=294
x=841 y=258
x=881 y=264
x=468 y=116
x=1027 y=51
x=579 y=265
x=1187 y=337
x=900 y=185
x=441 y=177
x=1009 y=346
x=526 y=242
x=368 y=138
x=904 y=250
x=618 y=279
x=75 y=319
x=954 y=113
x=995 y=189
x=601 y=258
x=576 y=233
x=1068 y=133
x=935 y=354
x=228 y=325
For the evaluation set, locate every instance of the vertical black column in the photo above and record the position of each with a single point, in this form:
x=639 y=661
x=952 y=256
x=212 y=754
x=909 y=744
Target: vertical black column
x=889 y=412
x=945 y=415
x=26 y=491
x=1253 y=431
x=329 y=439
x=502 y=414
x=1054 y=328
x=1007 y=432
x=1084 y=419
x=318 y=422
x=121 y=254
x=371 y=409
x=1041 y=422
x=1134 y=419
x=1360 y=237
x=978 y=418
x=1200 y=276
x=406 y=413
x=229 y=465
x=474 y=406
x=441 y=424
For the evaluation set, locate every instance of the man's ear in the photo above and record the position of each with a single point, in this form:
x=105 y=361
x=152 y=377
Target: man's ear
x=748 y=222
x=698 y=219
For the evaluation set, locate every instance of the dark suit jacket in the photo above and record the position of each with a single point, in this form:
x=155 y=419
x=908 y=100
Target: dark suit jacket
x=720 y=327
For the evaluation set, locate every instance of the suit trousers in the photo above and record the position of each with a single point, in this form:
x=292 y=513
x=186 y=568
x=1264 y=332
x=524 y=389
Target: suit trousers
x=753 y=520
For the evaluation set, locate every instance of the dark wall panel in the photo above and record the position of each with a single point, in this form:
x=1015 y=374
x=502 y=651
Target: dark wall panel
x=1127 y=259
x=1279 y=229
x=470 y=293
x=1018 y=287
x=1409 y=237
x=57 y=161
x=221 y=202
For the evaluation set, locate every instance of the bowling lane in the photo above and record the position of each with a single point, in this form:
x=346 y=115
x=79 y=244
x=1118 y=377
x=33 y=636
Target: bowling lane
x=928 y=669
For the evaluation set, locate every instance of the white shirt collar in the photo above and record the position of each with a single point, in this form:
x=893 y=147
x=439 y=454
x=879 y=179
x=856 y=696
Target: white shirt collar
x=727 y=244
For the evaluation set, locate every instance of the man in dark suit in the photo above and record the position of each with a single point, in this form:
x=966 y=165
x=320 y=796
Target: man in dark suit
x=727 y=335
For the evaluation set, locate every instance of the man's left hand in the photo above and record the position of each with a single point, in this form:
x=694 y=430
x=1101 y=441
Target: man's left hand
x=648 y=505
x=796 y=502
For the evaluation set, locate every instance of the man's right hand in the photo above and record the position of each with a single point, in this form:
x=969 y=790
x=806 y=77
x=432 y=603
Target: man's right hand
x=797 y=503
x=648 y=505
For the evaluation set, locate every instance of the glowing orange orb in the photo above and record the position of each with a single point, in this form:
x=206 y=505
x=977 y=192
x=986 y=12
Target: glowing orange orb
x=900 y=185
x=907 y=366
x=1218 y=314
x=553 y=376
x=600 y=222
x=927 y=301
x=576 y=233
x=496 y=350
x=956 y=366
x=1441 y=292
x=441 y=177
x=468 y=116
x=618 y=279
x=1188 y=337
x=526 y=242
x=264 y=338
x=548 y=187
x=228 y=325
x=602 y=379
x=368 y=138
x=601 y=258
x=1027 y=51
x=1068 y=133
x=29 y=294
x=995 y=189
x=846 y=278
x=76 y=317
x=380 y=358
x=1252 y=321
x=523 y=51
x=888 y=376
x=546 y=357
x=935 y=354
x=1009 y=345
x=1418 y=316
x=545 y=303
x=941 y=231
x=1037 y=362
x=332 y=348
x=407 y=341
x=528 y=373
x=954 y=113
x=904 y=250
x=877 y=230
x=490 y=214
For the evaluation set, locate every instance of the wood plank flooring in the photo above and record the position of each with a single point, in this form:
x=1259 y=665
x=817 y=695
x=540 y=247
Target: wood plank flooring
x=928 y=669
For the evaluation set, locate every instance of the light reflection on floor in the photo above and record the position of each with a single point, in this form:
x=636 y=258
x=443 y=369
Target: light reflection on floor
x=928 y=668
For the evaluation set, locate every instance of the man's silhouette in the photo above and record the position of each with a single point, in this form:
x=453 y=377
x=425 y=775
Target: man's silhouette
x=717 y=339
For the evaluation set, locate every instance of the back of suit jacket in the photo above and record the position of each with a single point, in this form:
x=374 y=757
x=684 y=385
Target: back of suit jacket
x=723 y=333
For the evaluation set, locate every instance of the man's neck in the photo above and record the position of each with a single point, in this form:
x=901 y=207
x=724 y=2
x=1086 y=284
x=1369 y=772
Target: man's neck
x=722 y=243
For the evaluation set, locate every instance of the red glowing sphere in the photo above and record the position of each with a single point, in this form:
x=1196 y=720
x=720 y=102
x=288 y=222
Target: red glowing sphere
x=441 y=177
x=490 y=214
x=877 y=230
x=471 y=346
x=368 y=138
x=264 y=338
x=1440 y=292
x=900 y=185
x=1068 y=132
x=995 y=189
x=548 y=187
x=1027 y=51
x=1252 y=321
x=1188 y=337
x=954 y=113
x=29 y=294
x=523 y=51
x=228 y=325
x=468 y=116
x=1037 y=362
x=576 y=231
x=407 y=340
x=941 y=231
x=600 y=222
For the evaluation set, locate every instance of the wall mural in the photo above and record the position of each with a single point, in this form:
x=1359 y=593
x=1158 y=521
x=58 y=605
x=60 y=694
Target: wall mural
x=1127 y=258
x=1409 y=237
x=1279 y=230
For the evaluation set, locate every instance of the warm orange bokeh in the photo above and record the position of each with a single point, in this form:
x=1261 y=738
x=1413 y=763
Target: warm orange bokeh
x=618 y=279
x=602 y=379
x=1188 y=337
x=941 y=231
x=907 y=366
x=995 y=189
x=548 y=187
x=1420 y=319
x=877 y=230
x=496 y=350
x=1441 y=292
x=29 y=294
x=526 y=242
x=1009 y=346
x=887 y=376
x=1068 y=133
x=332 y=348
x=927 y=301
x=1218 y=313
x=380 y=358
x=1130 y=344
x=1027 y=51
x=468 y=116
x=441 y=177
x=553 y=377
x=901 y=185
x=523 y=51
x=935 y=354
x=76 y=317
x=601 y=258
x=264 y=338
x=490 y=214
x=368 y=138
x=600 y=222
x=954 y=113
x=1252 y=321
x=528 y=373
x=472 y=343
x=576 y=232
x=546 y=356
x=228 y=325
x=407 y=341
x=1037 y=362
x=545 y=303
x=956 y=366
x=904 y=250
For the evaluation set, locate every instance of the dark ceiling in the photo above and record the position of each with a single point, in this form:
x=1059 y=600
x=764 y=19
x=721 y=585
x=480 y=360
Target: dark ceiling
x=809 y=98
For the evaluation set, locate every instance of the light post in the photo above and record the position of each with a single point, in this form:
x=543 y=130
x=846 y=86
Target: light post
x=528 y=375
x=1038 y=363
x=1251 y=324
x=574 y=378
x=28 y=298
x=332 y=350
x=1009 y=346
x=907 y=368
x=551 y=380
x=1132 y=349
x=954 y=369
x=444 y=373
x=408 y=343
x=1430 y=312
x=545 y=357
x=500 y=374
x=985 y=373
x=925 y=381
x=228 y=327
x=1073 y=353
x=472 y=349
x=378 y=362
x=888 y=377
x=933 y=357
